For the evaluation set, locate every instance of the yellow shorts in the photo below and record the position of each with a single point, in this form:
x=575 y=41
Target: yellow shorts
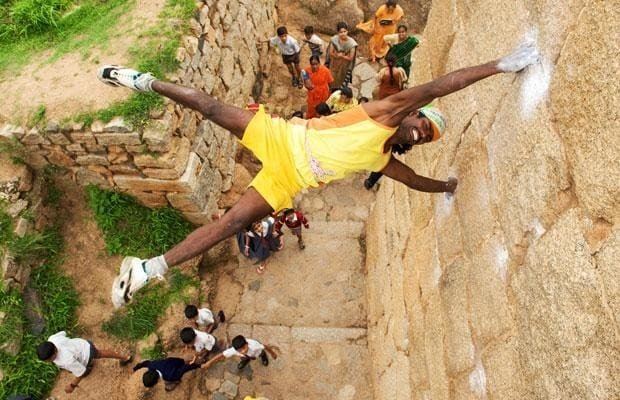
x=268 y=139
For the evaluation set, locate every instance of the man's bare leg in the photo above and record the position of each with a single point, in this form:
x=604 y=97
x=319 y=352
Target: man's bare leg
x=250 y=207
x=229 y=117
x=104 y=353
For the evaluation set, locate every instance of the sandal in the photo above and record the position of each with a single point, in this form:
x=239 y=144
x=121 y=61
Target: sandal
x=126 y=361
x=261 y=269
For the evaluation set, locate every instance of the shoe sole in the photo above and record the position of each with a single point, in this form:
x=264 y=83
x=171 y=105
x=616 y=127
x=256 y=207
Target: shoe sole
x=108 y=81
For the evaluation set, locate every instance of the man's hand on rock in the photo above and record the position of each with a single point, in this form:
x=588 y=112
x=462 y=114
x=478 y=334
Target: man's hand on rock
x=451 y=184
x=524 y=55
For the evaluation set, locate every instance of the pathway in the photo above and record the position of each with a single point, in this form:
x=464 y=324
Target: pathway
x=310 y=303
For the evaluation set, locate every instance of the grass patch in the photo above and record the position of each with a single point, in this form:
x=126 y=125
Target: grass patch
x=37 y=118
x=156 y=53
x=140 y=318
x=153 y=353
x=30 y=27
x=24 y=373
x=14 y=149
x=130 y=228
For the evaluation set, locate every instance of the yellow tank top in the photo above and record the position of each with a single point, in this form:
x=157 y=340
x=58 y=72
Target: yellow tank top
x=330 y=148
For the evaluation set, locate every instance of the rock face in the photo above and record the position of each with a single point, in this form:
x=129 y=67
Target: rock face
x=509 y=289
x=176 y=159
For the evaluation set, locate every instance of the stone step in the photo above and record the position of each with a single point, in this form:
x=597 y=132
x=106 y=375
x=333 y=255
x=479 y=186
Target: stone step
x=280 y=334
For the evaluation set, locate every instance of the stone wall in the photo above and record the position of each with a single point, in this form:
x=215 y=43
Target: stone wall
x=509 y=290
x=22 y=195
x=176 y=159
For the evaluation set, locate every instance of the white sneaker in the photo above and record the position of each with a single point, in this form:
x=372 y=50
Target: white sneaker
x=130 y=279
x=116 y=75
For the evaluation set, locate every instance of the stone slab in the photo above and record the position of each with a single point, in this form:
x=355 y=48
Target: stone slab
x=186 y=183
x=119 y=138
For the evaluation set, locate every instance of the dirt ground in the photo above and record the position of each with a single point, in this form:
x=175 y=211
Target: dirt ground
x=65 y=86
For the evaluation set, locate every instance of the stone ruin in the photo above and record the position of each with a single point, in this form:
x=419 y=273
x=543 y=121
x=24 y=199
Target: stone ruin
x=176 y=159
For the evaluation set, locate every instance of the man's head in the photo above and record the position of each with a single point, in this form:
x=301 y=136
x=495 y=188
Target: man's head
x=343 y=30
x=188 y=335
x=315 y=63
x=257 y=227
x=323 y=109
x=362 y=100
x=402 y=32
x=46 y=351
x=150 y=378
x=282 y=33
x=191 y=311
x=391 y=59
x=240 y=344
x=346 y=94
x=289 y=214
x=308 y=32
x=391 y=4
x=425 y=125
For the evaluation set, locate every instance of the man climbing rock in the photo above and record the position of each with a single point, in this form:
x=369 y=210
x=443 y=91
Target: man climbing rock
x=298 y=154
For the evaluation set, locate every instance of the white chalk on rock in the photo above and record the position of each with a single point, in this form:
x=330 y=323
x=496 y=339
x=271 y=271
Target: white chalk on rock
x=535 y=87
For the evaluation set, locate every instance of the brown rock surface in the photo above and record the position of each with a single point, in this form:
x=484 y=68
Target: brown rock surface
x=509 y=288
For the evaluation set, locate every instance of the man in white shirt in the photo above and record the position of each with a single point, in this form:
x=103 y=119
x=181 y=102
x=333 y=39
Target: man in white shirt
x=289 y=48
x=314 y=42
x=75 y=355
x=247 y=350
x=203 y=317
x=202 y=342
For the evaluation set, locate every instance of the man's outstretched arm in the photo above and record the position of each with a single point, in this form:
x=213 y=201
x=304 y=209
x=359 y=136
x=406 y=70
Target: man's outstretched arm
x=402 y=173
x=393 y=109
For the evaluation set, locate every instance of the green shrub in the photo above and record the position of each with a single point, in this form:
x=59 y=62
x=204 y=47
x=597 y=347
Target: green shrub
x=140 y=318
x=36 y=16
x=36 y=246
x=132 y=229
x=153 y=353
x=12 y=306
x=37 y=118
x=24 y=373
x=6 y=228
x=59 y=299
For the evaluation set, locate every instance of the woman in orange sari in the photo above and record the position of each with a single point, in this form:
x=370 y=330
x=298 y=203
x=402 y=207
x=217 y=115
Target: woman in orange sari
x=317 y=78
x=384 y=23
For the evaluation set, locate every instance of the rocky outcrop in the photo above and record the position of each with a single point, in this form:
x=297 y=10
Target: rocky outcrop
x=507 y=290
x=177 y=159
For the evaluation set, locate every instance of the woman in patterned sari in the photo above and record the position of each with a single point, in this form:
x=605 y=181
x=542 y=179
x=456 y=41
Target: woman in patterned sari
x=342 y=49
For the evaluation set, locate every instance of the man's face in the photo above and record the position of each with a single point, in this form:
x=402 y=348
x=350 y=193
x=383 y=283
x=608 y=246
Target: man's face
x=345 y=99
x=257 y=227
x=415 y=129
x=283 y=38
x=307 y=35
x=244 y=349
x=290 y=217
